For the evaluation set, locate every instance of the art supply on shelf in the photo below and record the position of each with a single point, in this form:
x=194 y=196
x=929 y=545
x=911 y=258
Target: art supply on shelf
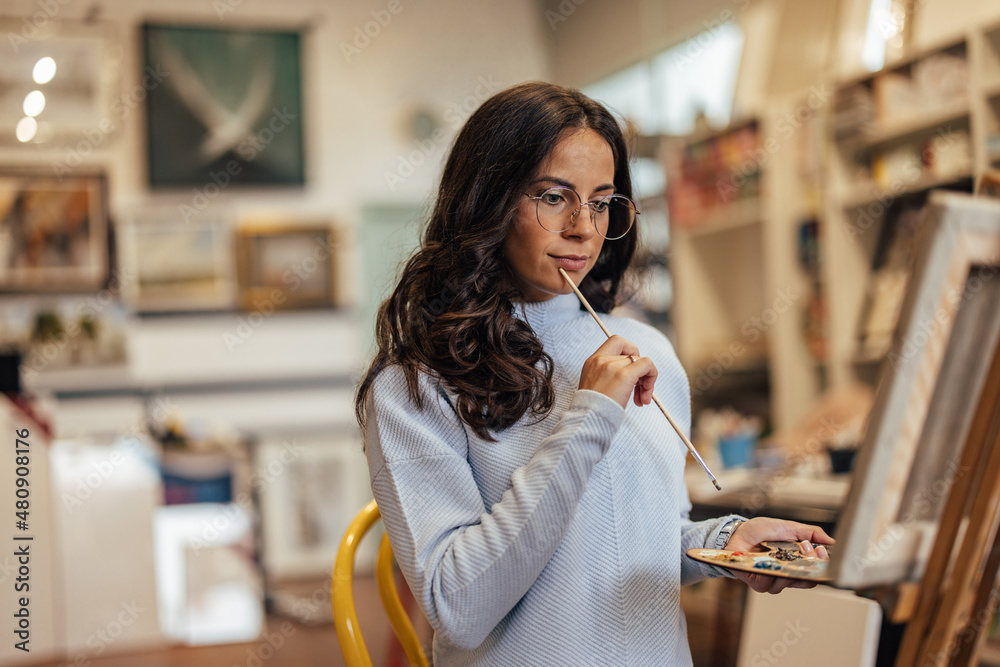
x=735 y=434
x=676 y=427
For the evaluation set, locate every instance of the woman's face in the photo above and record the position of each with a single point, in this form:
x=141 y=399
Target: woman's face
x=581 y=160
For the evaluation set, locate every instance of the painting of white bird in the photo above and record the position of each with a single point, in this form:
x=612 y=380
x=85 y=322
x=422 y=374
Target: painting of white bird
x=225 y=108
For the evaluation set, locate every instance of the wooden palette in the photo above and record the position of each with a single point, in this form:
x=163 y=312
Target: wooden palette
x=782 y=559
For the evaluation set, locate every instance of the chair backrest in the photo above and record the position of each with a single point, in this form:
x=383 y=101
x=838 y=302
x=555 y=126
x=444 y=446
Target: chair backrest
x=345 y=617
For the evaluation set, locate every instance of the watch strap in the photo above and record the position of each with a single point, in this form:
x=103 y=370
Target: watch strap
x=726 y=532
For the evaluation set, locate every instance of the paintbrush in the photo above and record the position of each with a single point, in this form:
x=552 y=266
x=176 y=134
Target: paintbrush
x=677 y=428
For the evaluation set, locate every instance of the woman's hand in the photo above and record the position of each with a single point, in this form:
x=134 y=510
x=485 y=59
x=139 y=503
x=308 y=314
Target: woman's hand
x=750 y=534
x=611 y=371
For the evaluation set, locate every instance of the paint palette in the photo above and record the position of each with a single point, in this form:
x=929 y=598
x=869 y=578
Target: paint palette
x=782 y=559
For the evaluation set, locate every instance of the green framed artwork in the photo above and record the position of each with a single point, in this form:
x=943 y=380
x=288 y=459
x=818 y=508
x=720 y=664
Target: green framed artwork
x=224 y=107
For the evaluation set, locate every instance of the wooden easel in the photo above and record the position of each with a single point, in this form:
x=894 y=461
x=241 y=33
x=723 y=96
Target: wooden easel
x=956 y=597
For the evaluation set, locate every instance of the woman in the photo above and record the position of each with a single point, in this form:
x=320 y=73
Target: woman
x=538 y=518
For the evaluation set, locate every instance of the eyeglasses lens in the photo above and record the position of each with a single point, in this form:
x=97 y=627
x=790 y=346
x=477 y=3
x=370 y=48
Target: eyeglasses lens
x=557 y=209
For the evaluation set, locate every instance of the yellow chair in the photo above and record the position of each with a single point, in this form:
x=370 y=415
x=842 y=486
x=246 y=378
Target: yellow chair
x=345 y=617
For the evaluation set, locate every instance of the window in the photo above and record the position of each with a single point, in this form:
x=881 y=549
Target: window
x=698 y=77
x=665 y=94
x=881 y=27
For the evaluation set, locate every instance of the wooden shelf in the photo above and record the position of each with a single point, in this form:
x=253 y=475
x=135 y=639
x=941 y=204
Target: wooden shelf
x=191 y=352
x=900 y=131
x=993 y=155
x=735 y=216
x=868 y=194
x=903 y=61
x=991 y=89
x=868 y=359
x=713 y=133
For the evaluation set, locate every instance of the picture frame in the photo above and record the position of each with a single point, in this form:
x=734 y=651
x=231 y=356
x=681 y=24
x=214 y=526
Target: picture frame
x=229 y=112
x=82 y=101
x=286 y=265
x=308 y=489
x=173 y=264
x=927 y=397
x=53 y=231
x=989 y=183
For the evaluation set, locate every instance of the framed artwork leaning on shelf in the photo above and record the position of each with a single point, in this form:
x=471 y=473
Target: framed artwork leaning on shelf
x=173 y=264
x=308 y=488
x=989 y=184
x=286 y=265
x=928 y=396
x=53 y=231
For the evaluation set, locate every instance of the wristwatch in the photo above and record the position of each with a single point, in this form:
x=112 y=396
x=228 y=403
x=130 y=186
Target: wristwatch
x=727 y=531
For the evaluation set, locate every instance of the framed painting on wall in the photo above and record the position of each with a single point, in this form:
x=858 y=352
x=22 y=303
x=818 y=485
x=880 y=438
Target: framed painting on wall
x=177 y=265
x=53 y=232
x=60 y=83
x=287 y=266
x=229 y=109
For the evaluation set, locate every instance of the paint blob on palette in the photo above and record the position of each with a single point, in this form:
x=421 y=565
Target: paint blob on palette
x=782 y=559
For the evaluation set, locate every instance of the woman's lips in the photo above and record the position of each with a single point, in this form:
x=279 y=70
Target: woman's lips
x=571 y=262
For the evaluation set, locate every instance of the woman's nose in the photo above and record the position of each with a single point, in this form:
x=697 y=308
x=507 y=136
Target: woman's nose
x=582 y=223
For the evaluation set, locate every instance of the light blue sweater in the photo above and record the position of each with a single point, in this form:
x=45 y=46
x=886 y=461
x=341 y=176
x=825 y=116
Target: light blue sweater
x=563 y=542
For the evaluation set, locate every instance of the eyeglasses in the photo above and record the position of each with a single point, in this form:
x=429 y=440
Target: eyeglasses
x=558 y=207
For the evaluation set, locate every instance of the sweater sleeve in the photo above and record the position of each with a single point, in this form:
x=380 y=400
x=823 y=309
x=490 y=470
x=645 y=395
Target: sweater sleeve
x=701 y=535
x=469 y=564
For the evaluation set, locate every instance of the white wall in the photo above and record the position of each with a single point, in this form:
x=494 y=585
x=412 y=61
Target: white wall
x=430 y=54
x=935 y=21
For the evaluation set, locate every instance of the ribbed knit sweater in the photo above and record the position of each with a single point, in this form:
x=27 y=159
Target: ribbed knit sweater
x=562 y=543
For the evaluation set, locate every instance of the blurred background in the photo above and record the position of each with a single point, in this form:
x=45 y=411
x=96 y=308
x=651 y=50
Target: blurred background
x=202 y=203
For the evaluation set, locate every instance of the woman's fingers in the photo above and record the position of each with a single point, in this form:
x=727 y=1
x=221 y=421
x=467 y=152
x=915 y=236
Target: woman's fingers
x=644 y=387
x=617 y=346
x=616 y=370
x=763 y=583
x=761 y=529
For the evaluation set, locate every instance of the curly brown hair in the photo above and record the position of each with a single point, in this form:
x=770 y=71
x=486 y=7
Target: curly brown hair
x=452 y=313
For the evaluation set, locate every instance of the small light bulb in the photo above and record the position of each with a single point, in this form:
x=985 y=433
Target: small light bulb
x=44 y=70
x=26 y=129
x=34 y=103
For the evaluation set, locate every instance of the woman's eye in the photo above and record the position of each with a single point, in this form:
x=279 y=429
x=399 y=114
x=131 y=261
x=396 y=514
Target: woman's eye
x=553 y=198
x=599 y=206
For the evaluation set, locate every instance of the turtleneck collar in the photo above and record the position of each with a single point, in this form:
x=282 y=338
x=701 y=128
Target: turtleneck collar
x=543 y=314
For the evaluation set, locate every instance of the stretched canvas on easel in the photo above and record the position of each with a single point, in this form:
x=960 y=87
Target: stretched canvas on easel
x=927 y=397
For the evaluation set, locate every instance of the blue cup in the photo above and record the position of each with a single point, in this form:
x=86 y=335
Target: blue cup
x=737 y=451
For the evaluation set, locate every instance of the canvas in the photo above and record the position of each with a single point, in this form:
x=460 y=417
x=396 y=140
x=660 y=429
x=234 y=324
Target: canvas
x=927 y=397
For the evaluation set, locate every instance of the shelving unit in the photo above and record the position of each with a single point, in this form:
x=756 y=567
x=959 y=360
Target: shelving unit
x=715 y=212
x=929 y=120
x=733 y=216
x=989 y=48
x=293 y=373
x=921 y=123
x=739 y=290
